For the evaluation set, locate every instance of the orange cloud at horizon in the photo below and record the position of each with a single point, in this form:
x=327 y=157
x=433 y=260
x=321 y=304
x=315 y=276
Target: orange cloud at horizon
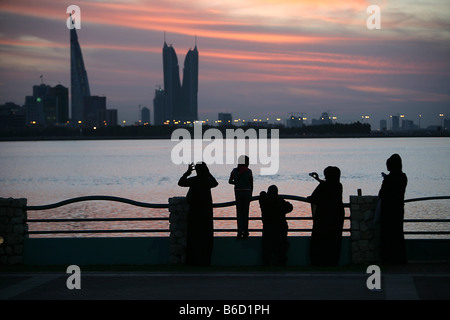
x=185 y=21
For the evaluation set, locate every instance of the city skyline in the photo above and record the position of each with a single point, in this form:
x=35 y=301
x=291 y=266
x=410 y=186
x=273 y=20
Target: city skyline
x=259 y=58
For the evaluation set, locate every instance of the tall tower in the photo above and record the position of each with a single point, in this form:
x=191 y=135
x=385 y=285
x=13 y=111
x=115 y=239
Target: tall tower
x=190 y=84
x=78 y=78
x=172 y=85
x=180 y=100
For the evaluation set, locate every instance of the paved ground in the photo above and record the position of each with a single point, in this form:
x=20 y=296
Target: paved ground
x=412 y=282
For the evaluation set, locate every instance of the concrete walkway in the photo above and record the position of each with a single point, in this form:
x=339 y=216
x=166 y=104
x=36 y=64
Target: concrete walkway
x=411 y=282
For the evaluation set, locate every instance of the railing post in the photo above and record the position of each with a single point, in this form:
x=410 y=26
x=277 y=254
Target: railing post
x=13 y=227
x=178 y=208
x=364 y=230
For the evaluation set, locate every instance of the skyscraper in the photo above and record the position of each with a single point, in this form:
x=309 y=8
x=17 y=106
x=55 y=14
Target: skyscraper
x=78 y=78
x=172 y=85
x=180 y=101
x=190 y=84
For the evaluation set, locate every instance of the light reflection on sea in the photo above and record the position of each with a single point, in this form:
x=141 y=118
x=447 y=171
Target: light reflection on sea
x=45 y=172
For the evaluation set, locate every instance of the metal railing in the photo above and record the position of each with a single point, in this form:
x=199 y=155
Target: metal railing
x=166 y=206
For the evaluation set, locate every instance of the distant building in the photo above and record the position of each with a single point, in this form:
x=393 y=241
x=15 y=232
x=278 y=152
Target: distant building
x=48 y=106
x=159 y=110
x=395 y=125
x=189 y=89
x=325 y=118
x=257 y=123
x=107 y=117
x=145 y=116
x=12 y=116
x=225 y=119
x=383 y=125
x=93 y=105
x=61 y=95
x=447 y=124
x=180 y=101
x=295 y=121
x=34 y=105
x=408 y=125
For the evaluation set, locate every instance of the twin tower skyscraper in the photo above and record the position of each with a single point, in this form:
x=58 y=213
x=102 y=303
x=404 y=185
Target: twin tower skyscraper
x=177 y=103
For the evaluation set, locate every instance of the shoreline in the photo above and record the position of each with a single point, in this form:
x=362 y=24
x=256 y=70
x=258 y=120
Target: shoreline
x=168 y=137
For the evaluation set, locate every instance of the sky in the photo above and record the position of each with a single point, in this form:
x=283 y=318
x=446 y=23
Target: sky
x=257 y=58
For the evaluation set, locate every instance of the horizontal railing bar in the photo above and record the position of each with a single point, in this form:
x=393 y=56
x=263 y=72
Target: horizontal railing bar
x=426 y=220
x=427 y=199
x=148 y=219
x=144 y=204
x=92 y=198
x=215 y=218
x=97 y=231
x=97 y=219
x=260 y=230
x=426 y=232
x=215 y=230
x=165 y=206
x=215 y=205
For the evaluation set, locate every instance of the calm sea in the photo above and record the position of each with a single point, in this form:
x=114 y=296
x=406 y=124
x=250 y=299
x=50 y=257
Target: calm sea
x=45 y=172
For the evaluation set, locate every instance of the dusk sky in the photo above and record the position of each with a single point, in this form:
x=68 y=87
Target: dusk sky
x=257 y=58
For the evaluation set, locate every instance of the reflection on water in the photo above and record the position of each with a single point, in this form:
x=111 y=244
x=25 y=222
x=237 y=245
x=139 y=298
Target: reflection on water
x=50 y=171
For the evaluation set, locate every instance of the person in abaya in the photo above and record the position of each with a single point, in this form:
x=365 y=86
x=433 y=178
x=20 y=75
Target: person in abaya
x=328 y=219
x=392 y=195
x=242 y=178
x=200 y=227
x=275 y=227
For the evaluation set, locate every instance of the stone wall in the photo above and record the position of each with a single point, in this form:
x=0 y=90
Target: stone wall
x=13 y=227
x=178 y=210
x=364 y=229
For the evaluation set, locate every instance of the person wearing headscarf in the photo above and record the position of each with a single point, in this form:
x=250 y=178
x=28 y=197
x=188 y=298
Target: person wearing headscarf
x=328 y=219
x=275 y=227
x=200 y=225
x=392 y=196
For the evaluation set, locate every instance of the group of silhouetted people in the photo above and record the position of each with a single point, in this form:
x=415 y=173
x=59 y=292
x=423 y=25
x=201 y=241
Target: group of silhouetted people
x=327 y=213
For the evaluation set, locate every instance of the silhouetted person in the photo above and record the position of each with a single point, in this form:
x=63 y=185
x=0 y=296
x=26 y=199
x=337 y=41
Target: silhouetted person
x=242 y=178
x=200 y=226
x=328 y=219
x=275 y=227
x=392 y=196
